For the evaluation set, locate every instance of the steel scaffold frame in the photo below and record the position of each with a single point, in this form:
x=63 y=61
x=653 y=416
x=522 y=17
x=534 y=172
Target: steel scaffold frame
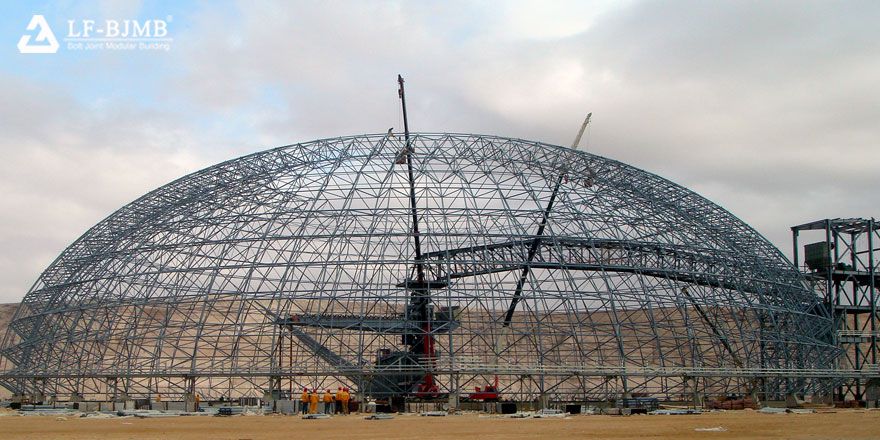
x=846 y=275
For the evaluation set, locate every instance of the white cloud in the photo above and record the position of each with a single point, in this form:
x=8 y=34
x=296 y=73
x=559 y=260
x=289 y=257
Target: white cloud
x=67 y=166
x=546 y=20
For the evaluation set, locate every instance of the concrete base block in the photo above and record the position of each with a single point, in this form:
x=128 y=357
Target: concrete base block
x=88 y=406
x=872 y=393
x=826 y=399
x=175 y=406
x=288 y=407
x=792 y=401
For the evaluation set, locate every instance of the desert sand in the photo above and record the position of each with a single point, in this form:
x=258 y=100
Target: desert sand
x=839 y=424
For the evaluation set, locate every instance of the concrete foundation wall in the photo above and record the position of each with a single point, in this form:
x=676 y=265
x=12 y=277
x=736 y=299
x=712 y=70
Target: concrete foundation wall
x=175 y=406
x=287 y=407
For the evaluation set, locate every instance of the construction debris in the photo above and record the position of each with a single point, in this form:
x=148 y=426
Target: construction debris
x=98 y=415
x=379 y=416
x=715 y=429
x=733 y=404
x=769 y=410
x=316 y=416
x=549 y=413
x=674 y=412
x=46 y=412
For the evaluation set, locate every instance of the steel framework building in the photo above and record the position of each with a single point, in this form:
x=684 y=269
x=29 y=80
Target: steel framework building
x=844 y=264
x=566 y=275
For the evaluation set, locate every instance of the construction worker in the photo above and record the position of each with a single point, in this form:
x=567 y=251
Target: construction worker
x=338 y=399
x=328 y=402
x=313 y=402
x=345 y=398
x=304 y=401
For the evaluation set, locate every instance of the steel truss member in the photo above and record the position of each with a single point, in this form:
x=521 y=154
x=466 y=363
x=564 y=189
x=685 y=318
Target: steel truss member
x=282 y=270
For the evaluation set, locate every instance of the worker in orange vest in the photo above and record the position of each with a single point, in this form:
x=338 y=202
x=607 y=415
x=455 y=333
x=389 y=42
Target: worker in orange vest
x=313 y=402
x=328 y=402
x=304 y=401
x=338 y=399
x=345 y=398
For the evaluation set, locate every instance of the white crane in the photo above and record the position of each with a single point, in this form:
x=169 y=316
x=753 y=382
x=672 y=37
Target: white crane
x=500 y=342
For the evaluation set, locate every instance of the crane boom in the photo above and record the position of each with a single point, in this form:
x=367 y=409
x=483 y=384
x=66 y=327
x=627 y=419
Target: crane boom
x=527 y=267
x=577 y=140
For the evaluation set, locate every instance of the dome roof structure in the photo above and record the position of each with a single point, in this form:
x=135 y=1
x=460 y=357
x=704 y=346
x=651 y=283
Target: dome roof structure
x=559 y=272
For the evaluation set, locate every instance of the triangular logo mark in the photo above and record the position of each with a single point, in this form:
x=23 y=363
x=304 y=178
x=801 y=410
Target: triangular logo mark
x=48 y=43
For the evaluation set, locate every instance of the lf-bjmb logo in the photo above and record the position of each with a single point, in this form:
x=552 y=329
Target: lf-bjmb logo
x=87 y=34
x=44 y=42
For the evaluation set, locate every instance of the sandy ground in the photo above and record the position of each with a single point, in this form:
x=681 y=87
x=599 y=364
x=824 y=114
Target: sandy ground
x=843 y=424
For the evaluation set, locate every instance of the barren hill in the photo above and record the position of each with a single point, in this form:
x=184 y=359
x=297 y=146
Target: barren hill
x=6 y=312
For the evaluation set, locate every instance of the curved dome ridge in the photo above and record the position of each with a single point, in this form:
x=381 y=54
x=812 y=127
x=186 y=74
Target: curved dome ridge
x=310 y=247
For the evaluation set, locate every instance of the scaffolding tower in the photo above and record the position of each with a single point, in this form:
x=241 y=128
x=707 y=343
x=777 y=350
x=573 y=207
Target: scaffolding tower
x=844 y=265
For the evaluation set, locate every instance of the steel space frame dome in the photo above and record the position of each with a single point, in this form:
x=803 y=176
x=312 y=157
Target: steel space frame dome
x=293 y=267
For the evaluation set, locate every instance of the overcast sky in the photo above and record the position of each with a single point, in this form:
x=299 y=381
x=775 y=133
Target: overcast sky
x=769 y=109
